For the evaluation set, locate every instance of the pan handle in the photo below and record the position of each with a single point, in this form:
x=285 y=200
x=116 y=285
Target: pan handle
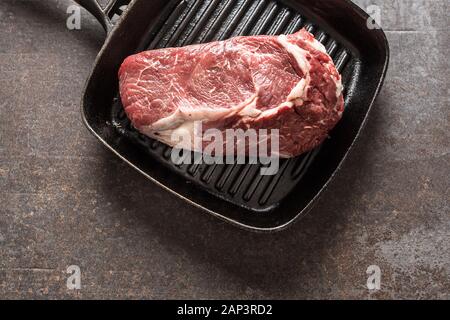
x=103 y=16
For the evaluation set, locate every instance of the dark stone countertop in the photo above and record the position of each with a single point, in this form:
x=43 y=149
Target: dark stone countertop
x=66 y=200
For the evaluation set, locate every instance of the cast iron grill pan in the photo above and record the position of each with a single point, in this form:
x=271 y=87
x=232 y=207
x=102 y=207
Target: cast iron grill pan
x=239 y=193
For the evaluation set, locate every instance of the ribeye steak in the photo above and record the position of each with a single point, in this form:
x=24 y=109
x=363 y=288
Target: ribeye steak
x=285 y=82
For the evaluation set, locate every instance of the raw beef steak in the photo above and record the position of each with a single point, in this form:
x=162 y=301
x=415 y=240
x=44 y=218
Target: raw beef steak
x=285 y=82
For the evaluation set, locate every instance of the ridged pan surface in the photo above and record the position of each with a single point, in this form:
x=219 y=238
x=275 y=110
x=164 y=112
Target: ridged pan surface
x=204 y=21
x=244 y=194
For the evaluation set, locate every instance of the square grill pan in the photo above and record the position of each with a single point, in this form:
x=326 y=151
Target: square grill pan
x=238 y=193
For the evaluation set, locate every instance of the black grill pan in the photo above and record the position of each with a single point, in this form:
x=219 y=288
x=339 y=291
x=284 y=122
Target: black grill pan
x=236 y=193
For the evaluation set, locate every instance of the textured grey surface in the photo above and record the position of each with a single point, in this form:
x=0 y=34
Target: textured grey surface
x=66 y=200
